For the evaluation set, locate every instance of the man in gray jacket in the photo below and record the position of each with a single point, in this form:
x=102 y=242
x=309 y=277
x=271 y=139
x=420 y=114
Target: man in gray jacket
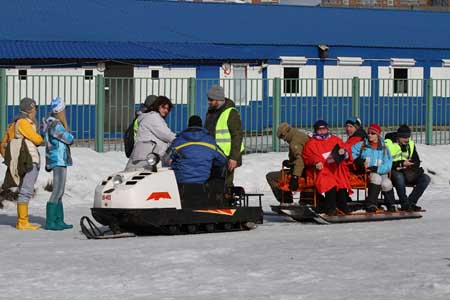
x=153 y=134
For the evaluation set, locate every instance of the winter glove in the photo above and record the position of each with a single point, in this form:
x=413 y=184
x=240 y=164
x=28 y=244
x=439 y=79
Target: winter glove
x=335 y=154
x=373 y=169
x=287 y=164
x=293 y=184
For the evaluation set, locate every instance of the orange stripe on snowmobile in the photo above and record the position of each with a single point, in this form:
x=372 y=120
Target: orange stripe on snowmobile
x=228 y=212
x=159 y=195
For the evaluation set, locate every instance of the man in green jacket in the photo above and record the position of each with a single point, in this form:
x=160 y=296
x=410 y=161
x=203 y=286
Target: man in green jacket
x=296 y=140
x=223 y=122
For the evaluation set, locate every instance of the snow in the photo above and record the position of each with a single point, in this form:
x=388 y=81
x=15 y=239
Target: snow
x=281 y=259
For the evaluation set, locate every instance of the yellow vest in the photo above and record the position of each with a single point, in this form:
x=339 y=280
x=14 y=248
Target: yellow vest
x=396 y=150
x=223 y=136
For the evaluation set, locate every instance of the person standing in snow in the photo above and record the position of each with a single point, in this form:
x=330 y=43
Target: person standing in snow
x=23 y=159
x=153 y=134
x=324 y=154
x=58 y=158
x=377 y=161
x=223 y=122
x=296 y=140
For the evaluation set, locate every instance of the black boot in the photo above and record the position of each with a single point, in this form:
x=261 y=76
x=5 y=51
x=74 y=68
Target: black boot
x=330 y=202
x=341 y=201
x=389 y=200
x=372 y=197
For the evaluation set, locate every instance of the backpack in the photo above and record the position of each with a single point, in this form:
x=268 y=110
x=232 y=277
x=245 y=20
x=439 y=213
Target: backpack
x=128 y=138
x=9 y=135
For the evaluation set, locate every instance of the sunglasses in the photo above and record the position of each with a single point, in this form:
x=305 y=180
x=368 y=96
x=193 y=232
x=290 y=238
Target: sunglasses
x=372 y=133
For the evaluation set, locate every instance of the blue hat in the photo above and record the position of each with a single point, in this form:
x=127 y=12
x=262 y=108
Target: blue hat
x=320 y=123
x=57 y=105
x=354 y=121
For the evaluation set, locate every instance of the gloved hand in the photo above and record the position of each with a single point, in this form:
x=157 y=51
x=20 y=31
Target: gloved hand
x=287 y=164
x=293 y=184
x=373 y=169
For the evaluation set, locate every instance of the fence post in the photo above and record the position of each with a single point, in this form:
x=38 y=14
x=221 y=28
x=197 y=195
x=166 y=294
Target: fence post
x=192 y=96
x=276 y=113
x=355 y=97
x=100 y=113
x=429 y=113
x=3 y=103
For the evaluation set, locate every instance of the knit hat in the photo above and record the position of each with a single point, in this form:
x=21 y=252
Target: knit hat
x=27 y=104
x=149 y=101
x=57 y=105
x=216 y=93
x=404 y=131
x=375 y=128
x=356 y=122
x=320 y=123
x=283 y=129
x=195 y=121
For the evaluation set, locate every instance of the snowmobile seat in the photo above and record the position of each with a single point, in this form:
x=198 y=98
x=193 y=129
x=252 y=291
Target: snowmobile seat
x=193 y=195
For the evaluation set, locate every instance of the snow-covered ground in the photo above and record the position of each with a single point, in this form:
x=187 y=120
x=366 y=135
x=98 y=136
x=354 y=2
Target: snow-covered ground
x=281 y=259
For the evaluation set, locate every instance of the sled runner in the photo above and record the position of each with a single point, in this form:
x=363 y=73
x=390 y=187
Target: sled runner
x=306 y=213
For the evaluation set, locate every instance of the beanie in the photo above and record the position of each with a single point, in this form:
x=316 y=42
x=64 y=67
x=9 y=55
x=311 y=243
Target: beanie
x=375 y=128
x=57 y=105
x=195 y=121
x=404 y=131
x=149 y=101
x=283 y=129
x=356 y=122
x=27 y=104
x=320 y=123
x=216 y=93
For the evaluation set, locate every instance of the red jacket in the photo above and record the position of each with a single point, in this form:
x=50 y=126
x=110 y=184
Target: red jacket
x=332 y=174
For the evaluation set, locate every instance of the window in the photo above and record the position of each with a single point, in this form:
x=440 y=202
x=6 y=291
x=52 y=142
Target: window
x=155 y=74
x=22 y=74
x=291 y=76
x=88 y=74
x=240 y=83
x=400 y=81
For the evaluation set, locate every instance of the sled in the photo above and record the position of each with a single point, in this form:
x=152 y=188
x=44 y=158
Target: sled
x=306 y=213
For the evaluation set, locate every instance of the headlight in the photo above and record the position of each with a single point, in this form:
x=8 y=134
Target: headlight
x=152 y=159
x=117 y=179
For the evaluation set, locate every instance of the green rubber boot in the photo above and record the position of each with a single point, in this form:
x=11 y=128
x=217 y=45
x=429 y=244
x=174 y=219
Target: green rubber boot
x=50 y=217
x=60 y=217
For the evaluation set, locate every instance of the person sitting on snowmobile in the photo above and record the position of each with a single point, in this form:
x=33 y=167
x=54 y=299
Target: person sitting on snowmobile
x=152 y=127
x=194 y=153
x=324 y=154
x=372 y=156
x=296 y=140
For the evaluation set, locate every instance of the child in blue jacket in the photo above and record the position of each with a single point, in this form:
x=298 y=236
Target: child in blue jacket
x=378 y=162
x=58 y=158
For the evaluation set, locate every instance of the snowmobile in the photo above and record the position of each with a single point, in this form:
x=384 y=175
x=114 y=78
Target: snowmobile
x=308 y=209
x=149 y=201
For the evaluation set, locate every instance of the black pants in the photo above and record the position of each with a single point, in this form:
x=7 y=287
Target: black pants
x=335 y=198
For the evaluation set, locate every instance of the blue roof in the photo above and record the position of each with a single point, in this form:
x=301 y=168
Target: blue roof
x=136 y=29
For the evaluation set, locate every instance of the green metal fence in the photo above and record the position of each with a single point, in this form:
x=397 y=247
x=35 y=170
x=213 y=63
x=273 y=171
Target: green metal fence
x=99 y=109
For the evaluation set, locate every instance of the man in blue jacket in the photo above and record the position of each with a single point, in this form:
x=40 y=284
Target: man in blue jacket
x=195 y=152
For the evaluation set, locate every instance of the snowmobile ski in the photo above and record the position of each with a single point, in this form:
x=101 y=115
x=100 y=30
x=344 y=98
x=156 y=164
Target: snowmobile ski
x=95 y=233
